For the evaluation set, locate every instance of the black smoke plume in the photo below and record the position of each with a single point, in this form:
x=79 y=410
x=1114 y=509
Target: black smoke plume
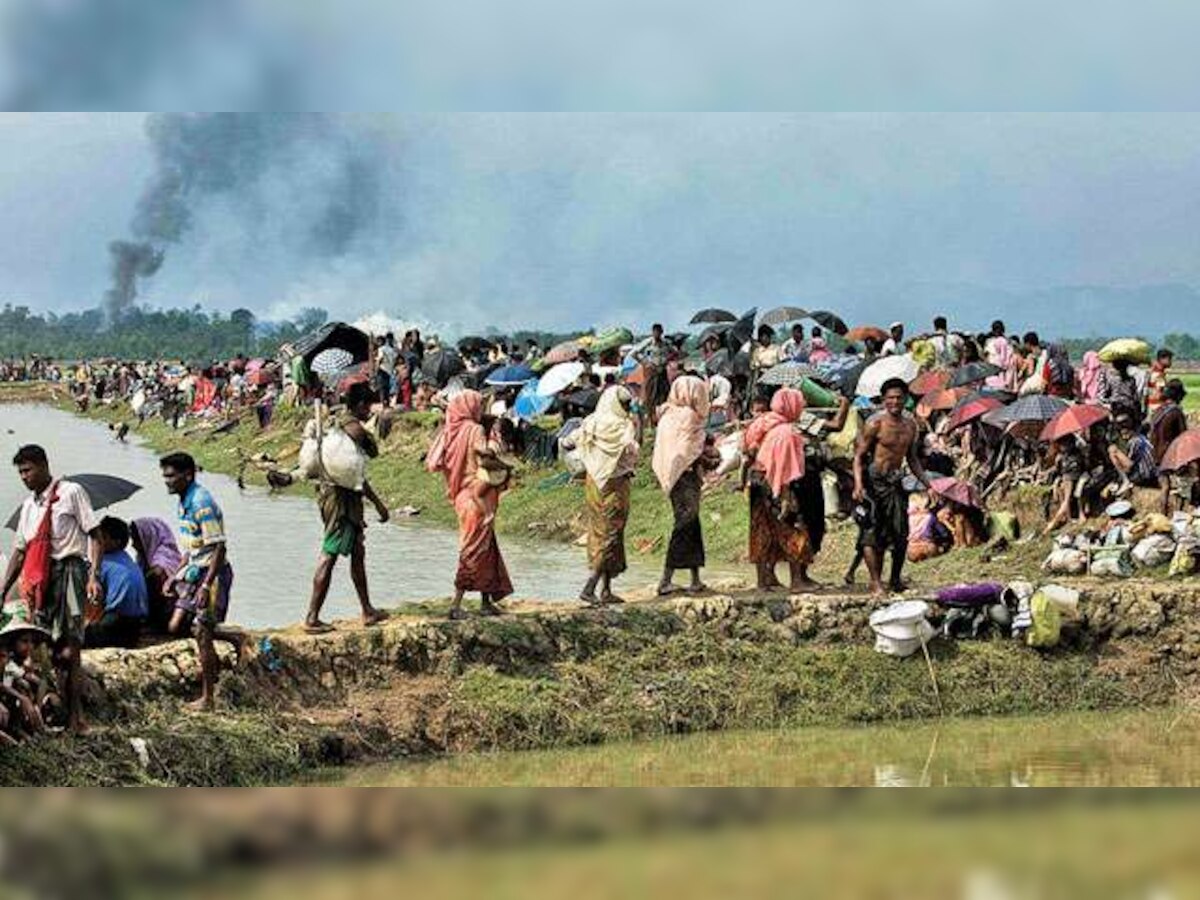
x=129 y=261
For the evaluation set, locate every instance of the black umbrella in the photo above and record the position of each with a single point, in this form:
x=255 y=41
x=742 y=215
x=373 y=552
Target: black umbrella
x=781 y=314
x=102 y=490
x=972 y=373
x=473 y=344
x=713 y=315
x=439 y=366
x=743 y=330
x=720 y=363
x=717 y=331
x=1035 y=408
x=585 y=399
x=826 y=319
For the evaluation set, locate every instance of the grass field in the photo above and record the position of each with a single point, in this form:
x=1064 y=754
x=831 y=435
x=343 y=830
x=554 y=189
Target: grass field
x=1191 y=381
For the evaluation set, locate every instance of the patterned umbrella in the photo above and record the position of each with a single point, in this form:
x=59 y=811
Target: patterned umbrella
x=782 y=314
x=971 y=410
x=930 y=382
x=1073 y=420
x=1034 y=408
x=530 y=404
x=973 y=373
x=331 y=361
x=713 y=315
x=564 y=352
x=789 y=374
x=1184 y=451
x=843 y=373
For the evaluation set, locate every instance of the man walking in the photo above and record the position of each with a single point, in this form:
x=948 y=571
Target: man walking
x=56 y=557
x=344 y=518
x=887 y=442
x=201 y=586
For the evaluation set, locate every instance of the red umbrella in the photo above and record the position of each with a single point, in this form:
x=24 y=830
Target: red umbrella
x=972 y=410
x=865 y=332
x=957 y=491
x=1073 y=420
x=1184 y=451
x=945 y=399
x=929 y=382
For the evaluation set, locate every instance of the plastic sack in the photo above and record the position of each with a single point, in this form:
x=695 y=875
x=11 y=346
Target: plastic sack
x=901 y=628
x=1065 y=598
x=1184 y=561
x=1113 y=563
x=1129 y=350
x=1156 y=550
x=1047 y=622
x=334 y=455
x=1065 y=561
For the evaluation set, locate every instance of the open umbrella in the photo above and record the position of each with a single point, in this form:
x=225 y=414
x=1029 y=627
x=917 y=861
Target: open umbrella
x=102 y=490
x=1073 y=420
x=510 y=376
x=742 y=330
x=1034 y=408
x=781 y=314
x=866 y=332
x=788 y=374
x=843 y=373
x=957 y=491
x=713 y=315
x=559 y=378
x=829 y=320
x=473 y=344
x=530 y=404
x=973 y=373
x=564 y=352
x=930 y=382
x=940 y=401
x=585 y=399
x=871 y=383
x=971 y=410
x=1184 y=451
x=440 y=365
x=331 y=361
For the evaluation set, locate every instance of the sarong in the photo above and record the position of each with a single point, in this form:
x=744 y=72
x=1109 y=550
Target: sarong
x=771 y=540
x=342 y=513
x=62 y=612
x=889 y=529
x=208 y=607
x=658 y=387
x=608 y=511
x=686 y=549
x=480 y=565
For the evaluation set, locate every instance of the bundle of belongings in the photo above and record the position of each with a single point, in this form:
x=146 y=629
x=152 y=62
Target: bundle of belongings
x=1125 y=545
x=1020 y=610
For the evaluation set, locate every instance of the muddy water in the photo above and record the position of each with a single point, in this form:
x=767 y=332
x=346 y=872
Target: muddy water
x=273 y=539
x=1142 y=749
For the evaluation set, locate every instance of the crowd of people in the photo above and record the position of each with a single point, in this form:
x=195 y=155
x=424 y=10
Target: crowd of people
x=913 y=459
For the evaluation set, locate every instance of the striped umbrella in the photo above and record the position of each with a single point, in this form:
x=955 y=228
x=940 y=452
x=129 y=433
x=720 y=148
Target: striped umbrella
x=1034 y=408
x=789 y=374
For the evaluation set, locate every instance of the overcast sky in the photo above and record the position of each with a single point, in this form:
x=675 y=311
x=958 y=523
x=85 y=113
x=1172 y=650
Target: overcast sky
x=569 y=220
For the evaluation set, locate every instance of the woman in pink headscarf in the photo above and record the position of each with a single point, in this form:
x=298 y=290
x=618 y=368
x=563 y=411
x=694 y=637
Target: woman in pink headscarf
x=456 y=453
x=681 y=450
x=775 y=467
x=1089 y=377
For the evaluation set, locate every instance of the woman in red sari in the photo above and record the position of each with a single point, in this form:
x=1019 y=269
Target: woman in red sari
x=456 y=453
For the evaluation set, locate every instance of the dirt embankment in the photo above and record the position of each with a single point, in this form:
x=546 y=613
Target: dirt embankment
x=566 y=676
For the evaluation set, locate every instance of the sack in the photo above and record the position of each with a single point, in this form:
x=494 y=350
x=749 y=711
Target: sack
x=1047 y=622
x=1128 y=350
x=1066 y=561
x=969 y=595
x=901 y=628
x=1184 y=560
x=1114 y=563
x=1154 y=551
x=1065 y=598
x=332 y=455
x=1004 y=525
x=842 y=443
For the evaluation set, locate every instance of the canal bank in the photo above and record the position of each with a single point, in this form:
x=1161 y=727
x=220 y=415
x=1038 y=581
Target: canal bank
x=420 y=687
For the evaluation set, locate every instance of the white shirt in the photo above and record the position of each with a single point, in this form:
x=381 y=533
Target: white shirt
x=73 y=519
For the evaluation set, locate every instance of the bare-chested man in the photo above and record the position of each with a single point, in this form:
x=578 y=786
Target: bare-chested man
x=887 y=442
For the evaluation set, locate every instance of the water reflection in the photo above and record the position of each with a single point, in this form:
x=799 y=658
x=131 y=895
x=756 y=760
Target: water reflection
x=1132 y=749
x=274 y=538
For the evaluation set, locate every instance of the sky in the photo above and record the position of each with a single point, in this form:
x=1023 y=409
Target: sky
x=571 y=220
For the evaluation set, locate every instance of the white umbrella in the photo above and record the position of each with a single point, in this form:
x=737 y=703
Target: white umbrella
x=878 y=373
x=559 y=378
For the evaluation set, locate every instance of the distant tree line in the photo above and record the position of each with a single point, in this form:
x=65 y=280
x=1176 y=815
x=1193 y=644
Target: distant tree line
x=143 y=333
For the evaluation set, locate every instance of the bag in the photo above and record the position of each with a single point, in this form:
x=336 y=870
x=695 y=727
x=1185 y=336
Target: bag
x=1156 y=550
x=35 y=570
x=901 y=628
x=1047 y=622
x=1066 y=561
x=1112 y=563
x=1128 y=350
x=1066 y=599
x=331 y=455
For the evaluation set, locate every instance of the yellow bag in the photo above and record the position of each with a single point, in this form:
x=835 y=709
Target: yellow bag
x=841 y=443
x=1130 y=350
x=1047 y=622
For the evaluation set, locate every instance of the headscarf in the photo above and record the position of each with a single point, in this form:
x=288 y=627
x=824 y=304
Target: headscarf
x=1089 y=377
x=158 y=544
x=451 y=449
x=680 y=437
x=1000 y=353
x=606 y=435
x=819 y=351
x=779 y=447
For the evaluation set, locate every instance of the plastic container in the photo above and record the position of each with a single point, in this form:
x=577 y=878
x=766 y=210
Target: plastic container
x=817 y=396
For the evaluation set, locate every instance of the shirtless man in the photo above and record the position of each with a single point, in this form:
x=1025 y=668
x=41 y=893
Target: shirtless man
x=887 y=442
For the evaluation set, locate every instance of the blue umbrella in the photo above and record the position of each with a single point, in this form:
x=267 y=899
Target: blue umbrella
x=510 y=376
x=529 y=405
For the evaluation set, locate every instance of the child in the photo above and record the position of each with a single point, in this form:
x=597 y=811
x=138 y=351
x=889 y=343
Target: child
x=126 y=604
x=21 y=686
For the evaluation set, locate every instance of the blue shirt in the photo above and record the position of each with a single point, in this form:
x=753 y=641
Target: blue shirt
x=201 y=525
x=124 y=586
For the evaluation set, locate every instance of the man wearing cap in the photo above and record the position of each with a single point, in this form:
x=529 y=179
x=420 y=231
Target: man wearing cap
x=56 y=540
x=894 y=345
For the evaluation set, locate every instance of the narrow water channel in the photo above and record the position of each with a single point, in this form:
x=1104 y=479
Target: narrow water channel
x=273 y=539
x=1158 y=748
